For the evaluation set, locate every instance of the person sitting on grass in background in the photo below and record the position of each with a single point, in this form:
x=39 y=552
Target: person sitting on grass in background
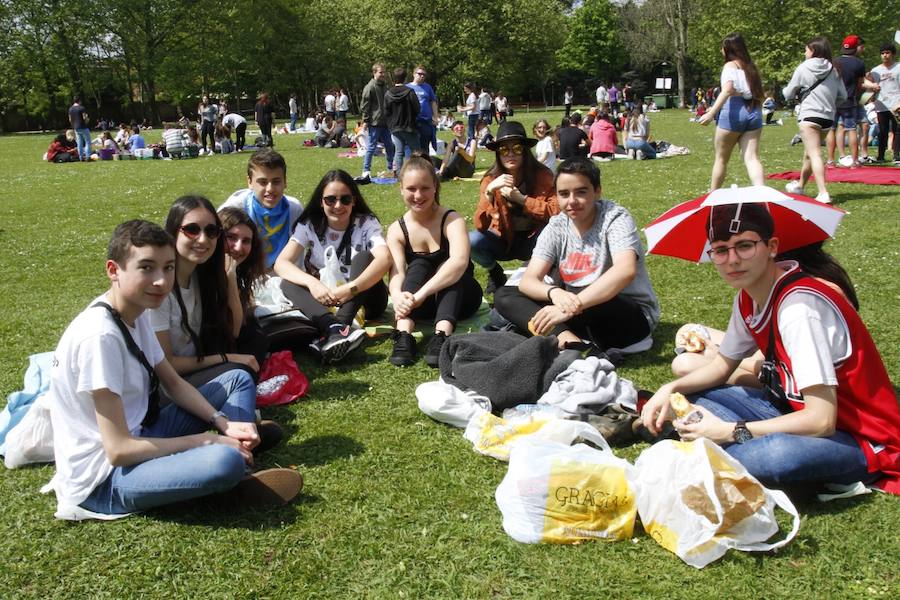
x=545 y=151
x=324 y=137
x=432 y=276
x=515 y=202
x=829 y=413
x=637 y=132
x=265 y=202
x=173 y=136
x=116 y=450
x=199 y=324
x=573 y=141
x=136 y=141
x=603 y=138
x=223 y=142
x=61 y=150
x=459 y=149
x=483 y=134
x=337 y=219
x=602 y=293
x=244 y=255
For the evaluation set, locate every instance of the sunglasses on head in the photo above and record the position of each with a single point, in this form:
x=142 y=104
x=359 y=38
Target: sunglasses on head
x=517 y=149
x=344 y=199
x=193 y=230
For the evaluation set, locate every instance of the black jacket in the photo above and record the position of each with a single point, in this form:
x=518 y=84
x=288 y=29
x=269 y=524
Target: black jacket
x=401 y=108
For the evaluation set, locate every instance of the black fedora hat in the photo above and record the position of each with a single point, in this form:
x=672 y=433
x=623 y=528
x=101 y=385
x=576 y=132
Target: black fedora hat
x=508 y=131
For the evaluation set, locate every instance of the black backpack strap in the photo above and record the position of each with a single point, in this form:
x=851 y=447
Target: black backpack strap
x=135 y=351
x=804 y=94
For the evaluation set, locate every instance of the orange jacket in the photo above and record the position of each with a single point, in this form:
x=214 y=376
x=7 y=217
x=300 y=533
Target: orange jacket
x=492 y=213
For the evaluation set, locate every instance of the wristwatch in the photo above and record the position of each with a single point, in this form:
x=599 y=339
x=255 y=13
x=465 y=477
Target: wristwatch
x=216 y=415
x=741 y=434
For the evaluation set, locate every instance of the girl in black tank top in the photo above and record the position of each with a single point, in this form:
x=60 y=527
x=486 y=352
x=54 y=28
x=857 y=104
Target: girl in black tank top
x=425 y=284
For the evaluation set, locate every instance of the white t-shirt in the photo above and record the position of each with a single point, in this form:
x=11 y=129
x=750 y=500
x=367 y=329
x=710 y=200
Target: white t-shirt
x=366 y=235
x=329 y=103
x=343 y=103
x=91 y=356
x=484 y=101
x=233 y=120
x=545 y=146
x=738 y=79
x=889 y=80
x=473 y=102
x=814 y=333
x=168 y=318
x=602 y=95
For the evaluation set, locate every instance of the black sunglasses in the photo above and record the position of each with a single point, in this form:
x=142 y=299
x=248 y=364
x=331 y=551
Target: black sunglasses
x=344 y=199
x=193 y=230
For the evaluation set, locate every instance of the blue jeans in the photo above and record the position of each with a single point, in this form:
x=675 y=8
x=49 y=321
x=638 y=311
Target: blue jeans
x=190 y=474
x=293 y=121
x=783 y=458
x=405 y=142
x=487 y=247
x=427 y=135
x=83 y=141
x=642 y=145
x=470 y=126
x=383 y=135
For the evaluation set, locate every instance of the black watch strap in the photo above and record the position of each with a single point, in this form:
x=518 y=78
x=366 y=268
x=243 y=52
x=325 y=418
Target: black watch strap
x=741 y=434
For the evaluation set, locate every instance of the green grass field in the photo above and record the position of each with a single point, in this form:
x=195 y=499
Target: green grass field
x=396 y=505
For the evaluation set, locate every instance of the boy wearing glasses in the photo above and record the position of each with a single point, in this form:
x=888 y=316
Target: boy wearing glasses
x=601 y=293
x=827 y=412
x=265 y=202
x=116 y=451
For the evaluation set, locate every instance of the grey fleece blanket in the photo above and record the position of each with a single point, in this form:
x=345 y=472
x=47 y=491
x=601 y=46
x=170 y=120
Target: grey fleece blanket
x=506 y=367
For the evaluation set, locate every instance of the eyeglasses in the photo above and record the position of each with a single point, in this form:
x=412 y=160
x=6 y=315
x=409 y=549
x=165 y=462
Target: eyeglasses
x=193 y=230
x=517 y=149
x=344 y=199
x=745 y=249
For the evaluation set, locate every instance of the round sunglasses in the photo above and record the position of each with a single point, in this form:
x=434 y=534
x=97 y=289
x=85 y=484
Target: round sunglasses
x=517 y=149
x=193 y=230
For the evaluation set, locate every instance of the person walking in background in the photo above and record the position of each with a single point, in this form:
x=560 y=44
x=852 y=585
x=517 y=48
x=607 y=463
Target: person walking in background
x=78 y=118
x=264 y=115
x=372 y=109
x=738 y=112
x=426 y=122
x=887 y=76
x=568 y=96
x=292 y=107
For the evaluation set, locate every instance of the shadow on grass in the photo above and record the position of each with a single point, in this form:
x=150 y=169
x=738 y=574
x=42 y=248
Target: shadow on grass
x=320 y=450
x=220 y=514
x=848 y=197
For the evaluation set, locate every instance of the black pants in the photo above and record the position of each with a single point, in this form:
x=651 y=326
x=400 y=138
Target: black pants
x=458 y=301
x=206 y=130
x=240 y=136
x=266 y=134
x=374 y=299
x=887 y=124
x=616 y=323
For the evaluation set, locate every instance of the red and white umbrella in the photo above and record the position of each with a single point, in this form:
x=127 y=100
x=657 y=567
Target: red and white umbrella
x=799 y=220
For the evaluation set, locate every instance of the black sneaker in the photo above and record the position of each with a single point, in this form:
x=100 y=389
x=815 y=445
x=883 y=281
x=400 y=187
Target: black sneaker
x=363 y=179
x=496 y=280
x=341 y=339
x=404 y=353
x=433 y=349
x=270 y=435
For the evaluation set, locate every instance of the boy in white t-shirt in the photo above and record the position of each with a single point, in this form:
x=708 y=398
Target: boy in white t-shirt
x=116 y=451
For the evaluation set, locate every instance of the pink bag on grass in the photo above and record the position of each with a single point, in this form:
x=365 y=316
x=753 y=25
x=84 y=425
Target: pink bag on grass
x=280 y=380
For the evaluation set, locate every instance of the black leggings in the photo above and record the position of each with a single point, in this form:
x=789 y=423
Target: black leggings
x=206 y=129
x=458 y=301
x=887 y=124
x=240 y=136
x=617 y=323
x=374 y=299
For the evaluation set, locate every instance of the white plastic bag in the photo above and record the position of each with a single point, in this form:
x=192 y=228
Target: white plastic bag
x=697 y=501
x=330 y=275
x=31 y=440
x=494 y=436
x=562 y=494
x=449 y=404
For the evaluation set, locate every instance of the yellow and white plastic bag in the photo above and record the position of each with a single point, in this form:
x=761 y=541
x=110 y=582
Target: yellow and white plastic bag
x=560 y=494
x=697 y=501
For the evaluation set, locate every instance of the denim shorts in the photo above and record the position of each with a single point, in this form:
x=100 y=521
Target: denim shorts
x=848 y=117
x=736 y=115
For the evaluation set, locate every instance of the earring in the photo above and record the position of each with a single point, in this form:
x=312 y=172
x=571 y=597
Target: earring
x=772 y=254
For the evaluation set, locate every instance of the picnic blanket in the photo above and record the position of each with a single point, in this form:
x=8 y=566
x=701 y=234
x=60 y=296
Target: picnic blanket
x=868 y=175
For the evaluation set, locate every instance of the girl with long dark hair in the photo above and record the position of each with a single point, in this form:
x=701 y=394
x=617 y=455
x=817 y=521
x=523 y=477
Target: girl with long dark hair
x=336 y=220
x=515 y=202
x=738 y=112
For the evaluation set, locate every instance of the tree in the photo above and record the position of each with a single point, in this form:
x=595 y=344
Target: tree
x=592 y=47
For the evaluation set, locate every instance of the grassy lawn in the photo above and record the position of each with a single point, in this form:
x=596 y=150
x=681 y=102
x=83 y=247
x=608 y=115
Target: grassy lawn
x=396 y=505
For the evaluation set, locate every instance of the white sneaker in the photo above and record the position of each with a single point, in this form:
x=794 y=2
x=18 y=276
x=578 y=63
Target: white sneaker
x=824 y=198
x=793 y=187
x=639 y=155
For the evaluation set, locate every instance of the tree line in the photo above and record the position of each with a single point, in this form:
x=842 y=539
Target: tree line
x=139 y=59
